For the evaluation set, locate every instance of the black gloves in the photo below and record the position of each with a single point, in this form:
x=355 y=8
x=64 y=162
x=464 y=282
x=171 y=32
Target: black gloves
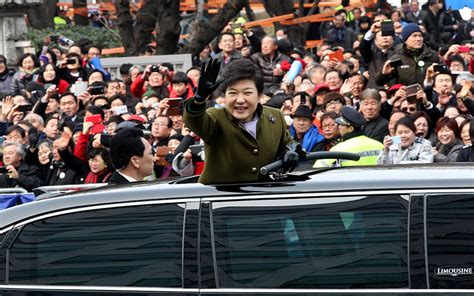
x=207 y=82
x=291 y=156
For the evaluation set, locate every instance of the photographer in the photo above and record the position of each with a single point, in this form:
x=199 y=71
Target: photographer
x=415 y=59
x=244 y=135
x=155 y=75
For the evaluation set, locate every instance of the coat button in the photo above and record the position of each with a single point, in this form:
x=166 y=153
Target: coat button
x=254 y=170
x=255 y=151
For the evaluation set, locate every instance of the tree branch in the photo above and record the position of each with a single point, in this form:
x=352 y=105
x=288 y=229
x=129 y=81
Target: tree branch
x=205 y=32
x=125 y=25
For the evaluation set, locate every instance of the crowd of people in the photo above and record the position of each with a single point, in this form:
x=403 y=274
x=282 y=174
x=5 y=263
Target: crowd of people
x=394 y=87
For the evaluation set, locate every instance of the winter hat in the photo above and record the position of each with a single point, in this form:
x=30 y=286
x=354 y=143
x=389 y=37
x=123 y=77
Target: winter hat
x=408 y=30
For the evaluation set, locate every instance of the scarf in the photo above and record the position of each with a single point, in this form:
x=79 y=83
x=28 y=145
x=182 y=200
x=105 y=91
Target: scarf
x=93 y=178
x=310 y=139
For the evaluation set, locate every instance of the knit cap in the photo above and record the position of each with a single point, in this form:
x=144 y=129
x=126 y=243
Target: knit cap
x=408 y=30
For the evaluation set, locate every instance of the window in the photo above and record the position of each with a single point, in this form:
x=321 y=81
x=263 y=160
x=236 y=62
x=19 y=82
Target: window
x=450 y=240
x=123 y=246
x=358 y=242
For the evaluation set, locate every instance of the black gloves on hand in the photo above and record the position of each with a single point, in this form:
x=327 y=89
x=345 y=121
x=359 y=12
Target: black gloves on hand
x=291 y=156
x=207 y=82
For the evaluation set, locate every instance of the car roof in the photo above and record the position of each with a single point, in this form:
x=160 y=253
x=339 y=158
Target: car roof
x=406 y=177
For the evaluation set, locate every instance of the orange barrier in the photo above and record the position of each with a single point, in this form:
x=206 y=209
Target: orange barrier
x=116 y=50
x=313 y=43
x=269 y=21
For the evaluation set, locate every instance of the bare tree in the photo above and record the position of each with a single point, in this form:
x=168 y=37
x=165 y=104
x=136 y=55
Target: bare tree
x=42 y=16
x=205 y=31
x=162 y=16
x=296 y=33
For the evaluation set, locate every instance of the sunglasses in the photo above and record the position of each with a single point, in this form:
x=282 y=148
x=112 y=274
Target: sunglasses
x=409 y=109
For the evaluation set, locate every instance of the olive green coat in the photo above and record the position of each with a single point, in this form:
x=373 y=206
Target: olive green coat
x=231 y=153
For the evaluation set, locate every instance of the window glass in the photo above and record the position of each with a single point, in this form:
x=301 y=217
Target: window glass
x=126 y=246
x=450 y=239
x=312 y=243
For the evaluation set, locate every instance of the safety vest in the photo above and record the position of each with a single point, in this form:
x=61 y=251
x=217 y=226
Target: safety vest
x=367 y=148
x=59 y=22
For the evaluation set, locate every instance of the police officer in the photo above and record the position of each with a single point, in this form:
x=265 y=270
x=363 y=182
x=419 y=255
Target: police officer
x=353 y=140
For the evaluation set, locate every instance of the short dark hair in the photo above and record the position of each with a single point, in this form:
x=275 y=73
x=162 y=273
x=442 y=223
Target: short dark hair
x=119 y=97
x=16 y=128
x=406 y=121
x=96 y=110
x=225 y=33
x=170 y=121
x=242 y=69
x=180 y=77
x=68 y=94
x=124 y=145
x=327 y=115
x=104 y=153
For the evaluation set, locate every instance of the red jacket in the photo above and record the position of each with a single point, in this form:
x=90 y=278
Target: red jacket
x=137 y=88
x=174 y=95
x=80 y=151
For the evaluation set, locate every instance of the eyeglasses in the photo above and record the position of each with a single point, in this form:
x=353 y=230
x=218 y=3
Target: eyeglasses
x=331 y=103
x=409 y=109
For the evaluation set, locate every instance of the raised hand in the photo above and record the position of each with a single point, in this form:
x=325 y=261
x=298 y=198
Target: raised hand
x=207 y=82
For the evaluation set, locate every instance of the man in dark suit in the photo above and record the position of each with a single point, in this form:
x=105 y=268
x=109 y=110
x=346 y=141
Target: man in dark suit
x=132 y=156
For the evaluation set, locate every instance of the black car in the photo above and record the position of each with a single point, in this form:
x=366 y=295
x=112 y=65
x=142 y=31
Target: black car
x=360 y=230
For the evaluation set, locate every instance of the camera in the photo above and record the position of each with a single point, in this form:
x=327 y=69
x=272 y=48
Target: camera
x=387 y=28
x=396 y=63
x=155 y=68
x=97 y=90
x=54 y=38
x=441 y=69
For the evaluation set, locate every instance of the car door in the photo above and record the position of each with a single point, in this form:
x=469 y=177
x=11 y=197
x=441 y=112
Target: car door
x=298 y=244
x=115 y=249
x=450 y=239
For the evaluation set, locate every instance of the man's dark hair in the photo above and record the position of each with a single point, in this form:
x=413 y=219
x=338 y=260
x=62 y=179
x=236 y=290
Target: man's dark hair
x=94 y=46
x=124 y=68
x=180 y=77
x=97 y=71
x=332 y=115
x=242 y=70
x=16 y=128
x=68 y=94
x=118 y=96
x=193 y=68
x=339 y=74
x=225 y=33
x=96 y=110
x=170 y=121
x=124 y=145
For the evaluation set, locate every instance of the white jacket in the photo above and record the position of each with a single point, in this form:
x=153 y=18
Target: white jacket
x=418 y=152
